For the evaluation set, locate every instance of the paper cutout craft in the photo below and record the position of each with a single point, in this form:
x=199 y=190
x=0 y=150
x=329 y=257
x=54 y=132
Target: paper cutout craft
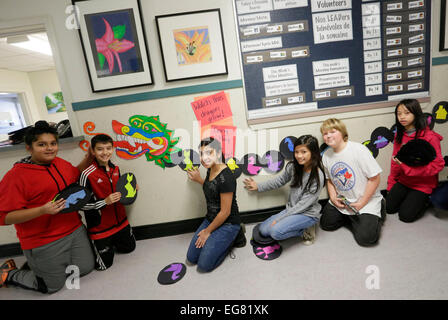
x=417 y=152
x=172 y=273
x=372 y=148
x=266 y=252
x=212 y=108
x=235 y=167
x=226 y=135
x=88 y=127
x=273 y=161
x=127 y=186
x=440 y=112
x=187 y=159
x=287 y=147
x=430 y=121
x=145 y=136
x=381 y=137
x=259 y=238
x=323 y=147
x=75 y=197
x=251 y=164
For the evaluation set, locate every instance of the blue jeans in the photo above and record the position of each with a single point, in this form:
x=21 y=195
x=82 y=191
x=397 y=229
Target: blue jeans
x=215 y=248
x=291 y=226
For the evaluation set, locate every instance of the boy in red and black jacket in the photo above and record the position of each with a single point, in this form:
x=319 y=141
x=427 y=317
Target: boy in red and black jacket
x=107 y=223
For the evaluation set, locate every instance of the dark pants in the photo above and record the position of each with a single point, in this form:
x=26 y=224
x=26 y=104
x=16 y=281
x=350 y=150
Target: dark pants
x=409 y=203
x=365 y=227
x=123 y=242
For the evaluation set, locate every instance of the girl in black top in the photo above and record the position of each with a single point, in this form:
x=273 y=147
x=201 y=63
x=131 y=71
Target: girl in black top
x=215 y=236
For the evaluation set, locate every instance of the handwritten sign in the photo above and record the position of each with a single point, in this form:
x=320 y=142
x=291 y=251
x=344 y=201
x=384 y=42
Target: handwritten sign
x=212 y=108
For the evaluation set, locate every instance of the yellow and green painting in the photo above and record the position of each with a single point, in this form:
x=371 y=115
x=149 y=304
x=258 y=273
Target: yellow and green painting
x=192 y=46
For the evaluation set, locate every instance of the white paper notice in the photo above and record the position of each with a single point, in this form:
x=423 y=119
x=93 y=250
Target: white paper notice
x=278 y=88
x=280 y=73
x=330 y=66
x=286 y=4
x=332 y=26
x=252 y=6
x=262 y=44
x=372 y=55
x=374 y=78
x=328 y=5
x=331 y=81
x=262 y=17
x=370 y=44
x=372 y=67
x=374 y=90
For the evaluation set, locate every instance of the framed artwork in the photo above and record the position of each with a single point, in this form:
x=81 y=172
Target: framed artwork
x=443 y=27
x=192 y=44
x=113 y=42
x=55 y=102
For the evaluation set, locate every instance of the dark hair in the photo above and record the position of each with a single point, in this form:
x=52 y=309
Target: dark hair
x=419 y=122
x=313 y=145
x=214 y=144
x=40 y=127
x=101 y=138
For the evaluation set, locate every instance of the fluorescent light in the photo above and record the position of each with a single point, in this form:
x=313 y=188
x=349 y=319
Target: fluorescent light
x=4 y=93
x=30 y=43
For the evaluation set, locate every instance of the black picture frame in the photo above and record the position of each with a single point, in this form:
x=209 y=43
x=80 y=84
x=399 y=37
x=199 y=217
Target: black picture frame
x=178 y=65
x=142 y=75
x=443 y=44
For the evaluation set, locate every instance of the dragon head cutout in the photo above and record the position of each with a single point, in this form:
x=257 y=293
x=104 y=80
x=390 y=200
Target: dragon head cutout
x=145 y=136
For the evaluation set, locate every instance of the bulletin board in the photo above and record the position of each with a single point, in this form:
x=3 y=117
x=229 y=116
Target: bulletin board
x=301 y=56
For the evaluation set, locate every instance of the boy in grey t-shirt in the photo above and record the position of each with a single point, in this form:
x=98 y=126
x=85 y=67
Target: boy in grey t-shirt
x=352 y=173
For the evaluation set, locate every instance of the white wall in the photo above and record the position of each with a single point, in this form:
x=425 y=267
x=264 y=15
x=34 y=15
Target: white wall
x=167 y=195
x=45 y=82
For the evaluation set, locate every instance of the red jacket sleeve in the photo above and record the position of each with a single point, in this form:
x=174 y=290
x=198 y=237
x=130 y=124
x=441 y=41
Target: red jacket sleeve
x=394 y=168
x=11 y=196
x=432 y=168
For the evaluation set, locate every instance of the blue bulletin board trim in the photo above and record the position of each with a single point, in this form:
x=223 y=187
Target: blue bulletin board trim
x=159 y=94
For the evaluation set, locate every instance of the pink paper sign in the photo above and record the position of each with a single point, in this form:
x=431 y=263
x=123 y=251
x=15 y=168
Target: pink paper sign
x=212 y=108
x=227 y=136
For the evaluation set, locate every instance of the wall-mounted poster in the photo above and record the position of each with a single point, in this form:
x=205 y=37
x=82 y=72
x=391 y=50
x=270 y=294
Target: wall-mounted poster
x=114 y=45
x=55 y=102
x=192 y=44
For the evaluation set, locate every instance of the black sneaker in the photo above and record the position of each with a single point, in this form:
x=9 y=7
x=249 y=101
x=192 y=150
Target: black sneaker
x=240 y=240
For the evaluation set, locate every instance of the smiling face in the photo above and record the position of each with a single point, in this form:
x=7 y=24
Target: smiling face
x=209 y=157
x=333 y=138
x=103 y=152
x=405 y=117
x=303 y=155
x=44 y=149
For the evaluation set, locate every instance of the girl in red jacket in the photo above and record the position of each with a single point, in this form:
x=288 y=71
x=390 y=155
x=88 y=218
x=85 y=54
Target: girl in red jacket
x=50 y=241
x=409 y=187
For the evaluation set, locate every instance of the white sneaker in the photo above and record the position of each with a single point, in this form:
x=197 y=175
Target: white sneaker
x=309 y=235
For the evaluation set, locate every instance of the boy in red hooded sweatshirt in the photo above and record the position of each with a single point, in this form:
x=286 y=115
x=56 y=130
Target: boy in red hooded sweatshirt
x=50 y=241
x=409 y=187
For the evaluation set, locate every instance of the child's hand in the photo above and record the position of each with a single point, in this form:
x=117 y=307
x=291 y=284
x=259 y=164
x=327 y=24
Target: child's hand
x=194 y=174
x=137 y=187
x=112 y=198
x=396 y=160
x=338 y=202
x=202 y=238
x=250 y=184
x=53 y=207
